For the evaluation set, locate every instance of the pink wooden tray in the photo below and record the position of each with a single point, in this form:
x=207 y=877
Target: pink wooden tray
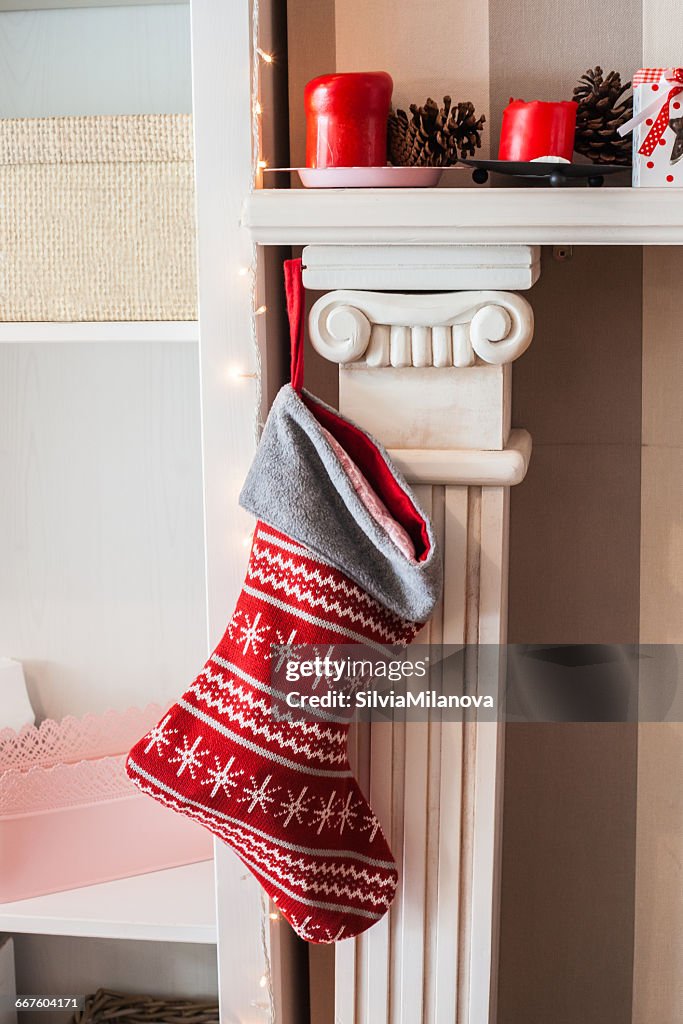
x=69 y=815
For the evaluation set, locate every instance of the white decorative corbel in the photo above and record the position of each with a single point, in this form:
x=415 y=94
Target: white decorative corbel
x=376 y=329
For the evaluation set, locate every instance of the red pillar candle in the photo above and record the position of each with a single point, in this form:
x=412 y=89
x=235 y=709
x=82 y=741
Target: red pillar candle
x=536 y=129
x=346 y=119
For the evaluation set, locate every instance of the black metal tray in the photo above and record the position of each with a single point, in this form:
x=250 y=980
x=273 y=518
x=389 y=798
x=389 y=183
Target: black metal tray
x=557 y=174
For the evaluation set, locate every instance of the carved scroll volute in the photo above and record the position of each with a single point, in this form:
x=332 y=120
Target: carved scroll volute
x=385 y=329
x=341 y=332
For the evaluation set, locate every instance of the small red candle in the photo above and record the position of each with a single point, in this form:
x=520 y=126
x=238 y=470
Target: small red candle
x=346 y=119
x=536 y=129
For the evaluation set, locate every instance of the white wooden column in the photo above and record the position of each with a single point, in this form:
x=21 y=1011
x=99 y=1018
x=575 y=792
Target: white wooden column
x=430 y=376
x=221 y=35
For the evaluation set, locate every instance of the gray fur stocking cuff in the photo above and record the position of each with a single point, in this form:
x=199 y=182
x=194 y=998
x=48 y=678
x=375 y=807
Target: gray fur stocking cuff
x=297 y=485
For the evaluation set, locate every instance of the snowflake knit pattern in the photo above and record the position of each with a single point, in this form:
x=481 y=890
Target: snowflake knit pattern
x=280 y=793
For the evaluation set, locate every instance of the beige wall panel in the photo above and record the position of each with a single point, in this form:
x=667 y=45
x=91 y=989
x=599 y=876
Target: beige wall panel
x=564 y=925
x=540 y=47
x=662 y=546
x=574 y=561
x=662 y=21
x=311 y=51
x=663 y=347
x=570 y=791
x=579 y=382
x=430 y=47
x=575 y=546
x=658 y=983
x=658 y=979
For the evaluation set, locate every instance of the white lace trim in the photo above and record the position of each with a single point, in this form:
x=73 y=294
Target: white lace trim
x=75 y=739
x=71 y=763
x=64 y=785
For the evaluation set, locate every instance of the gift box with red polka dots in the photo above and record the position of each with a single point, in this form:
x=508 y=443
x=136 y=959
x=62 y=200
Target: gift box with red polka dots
x=658 y=129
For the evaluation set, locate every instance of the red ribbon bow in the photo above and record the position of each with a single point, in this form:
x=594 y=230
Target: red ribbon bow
x=651 y=140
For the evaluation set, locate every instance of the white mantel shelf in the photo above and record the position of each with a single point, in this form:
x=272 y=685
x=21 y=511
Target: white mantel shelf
x=532 y=216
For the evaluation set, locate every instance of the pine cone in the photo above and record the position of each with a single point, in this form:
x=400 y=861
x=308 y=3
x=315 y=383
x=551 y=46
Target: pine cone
x=433 y=136
x=601 y=111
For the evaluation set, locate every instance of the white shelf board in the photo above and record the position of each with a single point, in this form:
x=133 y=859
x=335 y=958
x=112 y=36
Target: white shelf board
x=100 y=331
x=52 y=5
x=176 y=905
x=532 y=216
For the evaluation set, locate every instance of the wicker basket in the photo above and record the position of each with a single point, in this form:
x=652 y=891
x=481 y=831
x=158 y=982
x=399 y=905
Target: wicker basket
x=97 y=218
x=117 y=1008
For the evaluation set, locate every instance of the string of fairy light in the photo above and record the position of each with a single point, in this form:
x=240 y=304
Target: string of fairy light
x=236 y=373
x=260 y=59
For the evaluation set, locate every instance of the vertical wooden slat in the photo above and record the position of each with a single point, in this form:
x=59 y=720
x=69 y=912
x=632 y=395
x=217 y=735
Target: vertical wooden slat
x=396 y=843
x=414 y=871
x=363 y=770
x=658 y=938
x=433 y=780
x=489 y=758
x=412 y=852
x=378 y=940
x=445 y=969
x=345 y=982
x=221 y=36
x=455 y=564
x=346 y=953
x=447 y=920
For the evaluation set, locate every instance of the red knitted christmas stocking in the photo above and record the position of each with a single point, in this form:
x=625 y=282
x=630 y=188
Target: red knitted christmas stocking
x=341 y=554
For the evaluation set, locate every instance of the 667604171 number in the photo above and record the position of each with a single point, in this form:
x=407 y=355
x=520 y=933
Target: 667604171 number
x=46 y=1002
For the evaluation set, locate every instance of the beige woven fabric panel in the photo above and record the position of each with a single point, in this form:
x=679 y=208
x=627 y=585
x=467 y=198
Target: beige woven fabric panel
x=97 y=218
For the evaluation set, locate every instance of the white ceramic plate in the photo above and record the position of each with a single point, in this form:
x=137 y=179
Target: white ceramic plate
x=369 y=177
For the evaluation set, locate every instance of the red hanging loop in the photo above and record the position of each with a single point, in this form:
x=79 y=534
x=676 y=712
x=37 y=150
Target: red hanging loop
x=296 y=311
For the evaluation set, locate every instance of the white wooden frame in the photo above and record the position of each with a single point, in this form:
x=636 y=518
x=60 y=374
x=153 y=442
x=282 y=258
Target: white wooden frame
x=221 y=55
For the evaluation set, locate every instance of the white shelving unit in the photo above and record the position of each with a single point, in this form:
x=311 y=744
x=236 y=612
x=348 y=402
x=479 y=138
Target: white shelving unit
x=177 y=905
x=147 y=330
x=439 y=216
x=134 y=58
